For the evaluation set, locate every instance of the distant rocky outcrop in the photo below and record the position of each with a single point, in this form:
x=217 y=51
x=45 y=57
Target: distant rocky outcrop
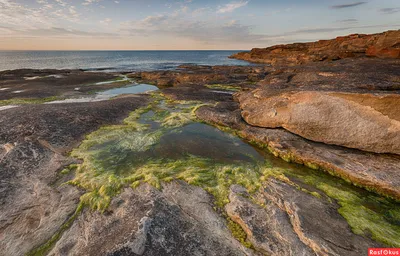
x=382 y=45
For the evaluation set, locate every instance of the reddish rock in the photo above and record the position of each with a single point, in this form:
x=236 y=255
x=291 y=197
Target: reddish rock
x=382 y=45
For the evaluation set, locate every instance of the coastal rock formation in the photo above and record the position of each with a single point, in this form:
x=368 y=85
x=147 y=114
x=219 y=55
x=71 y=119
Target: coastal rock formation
x=382 y=45
x=364 y=121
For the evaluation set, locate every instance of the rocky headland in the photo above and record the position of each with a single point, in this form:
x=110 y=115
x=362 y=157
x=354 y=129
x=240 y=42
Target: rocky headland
x=299 y=157
x=383 y=45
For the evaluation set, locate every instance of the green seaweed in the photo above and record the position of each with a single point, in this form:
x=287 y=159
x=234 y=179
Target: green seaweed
x=362 y=219
x=226 y=87
x=24 y=101
x=238 y=233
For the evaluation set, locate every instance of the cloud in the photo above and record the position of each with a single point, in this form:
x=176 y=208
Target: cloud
x=61 y=2
x=20 y=17
x=183 y=25
x=89 y=2
x=390 y=10
x=341 y=6
x=106 y=21
x=332 y=29
x=232 y=6
x=57 y=32
x=348 y=21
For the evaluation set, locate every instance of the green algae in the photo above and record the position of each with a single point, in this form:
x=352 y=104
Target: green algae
x=238 y=233
x=363 y=218
x=226 y=87
x=24 y=101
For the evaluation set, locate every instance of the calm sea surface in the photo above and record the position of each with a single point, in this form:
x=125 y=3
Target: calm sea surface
x=113 y=60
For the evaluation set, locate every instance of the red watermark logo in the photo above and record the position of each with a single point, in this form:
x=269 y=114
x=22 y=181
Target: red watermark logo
x=383 y=251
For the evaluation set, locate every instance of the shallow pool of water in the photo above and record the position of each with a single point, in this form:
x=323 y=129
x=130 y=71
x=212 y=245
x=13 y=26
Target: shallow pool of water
x=130 y=89
x=108 y=94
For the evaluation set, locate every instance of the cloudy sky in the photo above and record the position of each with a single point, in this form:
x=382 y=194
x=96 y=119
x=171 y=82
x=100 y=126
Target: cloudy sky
x=185 y=24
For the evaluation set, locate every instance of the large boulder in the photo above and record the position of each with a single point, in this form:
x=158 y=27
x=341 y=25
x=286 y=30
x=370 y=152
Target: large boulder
x=363 y=121
x=382 y=45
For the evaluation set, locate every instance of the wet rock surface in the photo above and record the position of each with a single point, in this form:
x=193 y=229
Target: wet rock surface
x=32 y=83
x=382 y=45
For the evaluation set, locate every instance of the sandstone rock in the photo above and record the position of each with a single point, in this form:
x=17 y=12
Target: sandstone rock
x=382 y=45
x=363 y=121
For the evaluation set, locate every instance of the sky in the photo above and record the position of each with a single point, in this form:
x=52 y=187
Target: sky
x=185 y=24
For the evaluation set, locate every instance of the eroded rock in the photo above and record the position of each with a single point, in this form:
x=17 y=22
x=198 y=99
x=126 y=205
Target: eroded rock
x=40 y=84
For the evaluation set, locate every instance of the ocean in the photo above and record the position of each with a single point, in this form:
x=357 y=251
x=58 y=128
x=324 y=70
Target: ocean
x=113 y=60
